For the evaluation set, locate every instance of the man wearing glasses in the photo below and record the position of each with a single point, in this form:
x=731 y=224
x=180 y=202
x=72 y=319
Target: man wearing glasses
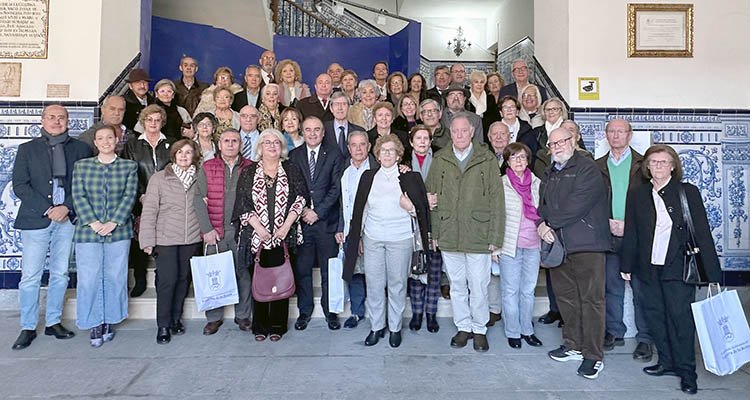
x=573 y=209
x=520 y=71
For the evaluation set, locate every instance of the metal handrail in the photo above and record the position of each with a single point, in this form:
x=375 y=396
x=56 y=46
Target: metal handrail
x=310 y=25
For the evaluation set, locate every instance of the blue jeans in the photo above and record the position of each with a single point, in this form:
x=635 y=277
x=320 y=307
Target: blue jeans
x=102 y=291
x=58 y=239
x=357 y=295
x=615 y=298
x=518 y=276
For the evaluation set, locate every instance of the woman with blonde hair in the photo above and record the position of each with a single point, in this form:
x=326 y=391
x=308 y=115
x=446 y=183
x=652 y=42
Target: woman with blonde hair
x=289 y=79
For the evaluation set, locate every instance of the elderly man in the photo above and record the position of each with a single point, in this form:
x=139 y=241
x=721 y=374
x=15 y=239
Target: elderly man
x=338 y=130
x=267 y=63
x=42 y=176
x=188 y=89
x=442 y=77
x=431 y=113
x=520 y=71
x=573 y=209
x=113 y=110
x=360 y=160
x=318 y=105
x=137 y=97
x=322 y=166
x=467 y=225
x=216 y=188
x=249 y=134
x=458 y=74
x=335 y=70
x=251 y=94
x=455 y=102
x=621 y=167
x=380 y=75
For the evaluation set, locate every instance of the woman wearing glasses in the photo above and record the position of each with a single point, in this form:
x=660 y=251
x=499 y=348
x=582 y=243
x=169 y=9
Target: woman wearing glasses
x=554 y=113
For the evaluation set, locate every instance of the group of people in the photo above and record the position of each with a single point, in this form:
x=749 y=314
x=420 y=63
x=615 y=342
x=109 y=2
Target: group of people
x=481 y=178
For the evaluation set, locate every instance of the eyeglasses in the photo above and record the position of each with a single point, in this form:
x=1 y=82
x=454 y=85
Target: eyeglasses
x=509 y=108
x=205 y=125
x=553 y=109
x=518 y=157
x=428 y=112
x=248 y=116
x=559 y=143
x=153 y=119
x=529 y=96
x=518 y=69
x=660 y=163
x=271 y=143
x=387 y=152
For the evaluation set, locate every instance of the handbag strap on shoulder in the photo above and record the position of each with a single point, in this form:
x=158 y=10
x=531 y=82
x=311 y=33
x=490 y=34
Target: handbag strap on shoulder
x=686 y=215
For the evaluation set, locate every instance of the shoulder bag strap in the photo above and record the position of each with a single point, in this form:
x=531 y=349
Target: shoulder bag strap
x=686 y=216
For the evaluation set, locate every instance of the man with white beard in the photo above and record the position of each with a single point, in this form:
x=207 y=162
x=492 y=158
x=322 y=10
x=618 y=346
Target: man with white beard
x=573 y=209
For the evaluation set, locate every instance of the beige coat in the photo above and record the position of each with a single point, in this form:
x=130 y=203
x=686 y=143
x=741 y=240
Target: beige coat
x=168 y=217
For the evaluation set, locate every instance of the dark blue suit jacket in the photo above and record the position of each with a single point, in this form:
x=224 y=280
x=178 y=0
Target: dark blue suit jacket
x=32 y=180
x=330 y=135
x=325 y=186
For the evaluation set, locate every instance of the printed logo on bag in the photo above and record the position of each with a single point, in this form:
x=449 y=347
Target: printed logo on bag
x=726 y=329
x=214 y=280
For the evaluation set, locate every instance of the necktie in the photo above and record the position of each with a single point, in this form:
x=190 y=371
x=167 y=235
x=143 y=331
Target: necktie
x=342 y=139
x=312 y=164
x=247 y=148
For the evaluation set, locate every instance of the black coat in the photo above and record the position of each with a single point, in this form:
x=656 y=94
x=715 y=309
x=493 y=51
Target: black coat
x=325 y=186
x=141 y=152
x=412 y=184
x=32 y=180
x=640 y=221
x=330 y=135
x=310 y=106
x=240 y=99
x=133 y=108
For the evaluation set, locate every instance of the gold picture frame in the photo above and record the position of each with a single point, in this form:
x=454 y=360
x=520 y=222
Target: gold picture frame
x=660 y=30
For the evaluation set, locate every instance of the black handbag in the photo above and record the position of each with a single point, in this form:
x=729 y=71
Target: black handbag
x=418 y=264
x=693 y=272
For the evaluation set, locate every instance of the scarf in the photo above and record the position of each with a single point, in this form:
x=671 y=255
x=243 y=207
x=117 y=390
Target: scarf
x=268 y=118
x=57 y=153
x=523 y=188
x=187 y=177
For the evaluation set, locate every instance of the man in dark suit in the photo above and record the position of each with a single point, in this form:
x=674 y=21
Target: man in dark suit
x=42 y=180
x=319 y=104
x=520 y=71
x=442 y=77
x=621 y=167
x=251 y=94
x=337 y=130
x=322 y=166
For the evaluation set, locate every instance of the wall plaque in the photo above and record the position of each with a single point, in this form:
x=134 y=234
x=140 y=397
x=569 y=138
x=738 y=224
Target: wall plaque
x=10 y=79
x=660 y=30
x=24 y=28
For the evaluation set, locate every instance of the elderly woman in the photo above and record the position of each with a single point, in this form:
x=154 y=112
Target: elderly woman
x=519 y=256
x=104 y=190
x=269 y=112
x=396 y=87
x=530 y=99
x=178 y=123
x=361 y=113
x=289 y=79
x=150 y=151
x=349 y=81
x=417 y=87
x=424 y=295
x=408 y=114
x=383 y=112
x=223 y=78
x=554 y=113
x=477 y=96
x=291 y=123
x=386 y=231
x=520 y=130
x=226 y=117
x=170 y=230
x=494 y=83
x=653 y=249
x=271 y=195
x=204 y=126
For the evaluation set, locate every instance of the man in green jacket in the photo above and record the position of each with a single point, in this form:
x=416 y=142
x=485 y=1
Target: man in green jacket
x=466 y=197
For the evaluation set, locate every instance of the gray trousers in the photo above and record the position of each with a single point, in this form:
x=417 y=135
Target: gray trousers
x=242 y=309
x=469 y=274
x=386 y=268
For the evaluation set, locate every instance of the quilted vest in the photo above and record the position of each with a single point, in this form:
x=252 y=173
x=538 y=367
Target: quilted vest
x=214 y=169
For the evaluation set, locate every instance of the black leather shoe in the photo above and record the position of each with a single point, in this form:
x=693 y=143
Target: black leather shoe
x=658 y=370
x=302 y=322
x=610 y=342
x=24 y=339
x=460 y=339
x=177 y=328
x=395 y=339
x=432 y=323
x=416 y=322
x=333 y=322
x=352 y=321
x=244 y=323
x=163 y=336
x=643 y=352
x=494 y=318
x=374 y=337
x=550 y=317
x=138 y=288
x=688 y=386
x=514 y=343
x=58 y=331
x=532 y=340
x=212 y=327
x=480 y=343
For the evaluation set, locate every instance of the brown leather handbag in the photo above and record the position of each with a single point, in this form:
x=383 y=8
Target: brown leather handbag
x=273 y=278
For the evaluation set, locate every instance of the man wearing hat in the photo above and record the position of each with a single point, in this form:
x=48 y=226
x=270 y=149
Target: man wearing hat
x=455 y=101
x=136 y=97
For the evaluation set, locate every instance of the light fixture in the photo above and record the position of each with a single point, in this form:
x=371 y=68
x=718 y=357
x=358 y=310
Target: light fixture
x=459 y=43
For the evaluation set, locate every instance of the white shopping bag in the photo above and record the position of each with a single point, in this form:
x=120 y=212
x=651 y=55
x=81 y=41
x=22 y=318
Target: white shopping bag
x=336 y=283
x=214 y=280
x=723 y=332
